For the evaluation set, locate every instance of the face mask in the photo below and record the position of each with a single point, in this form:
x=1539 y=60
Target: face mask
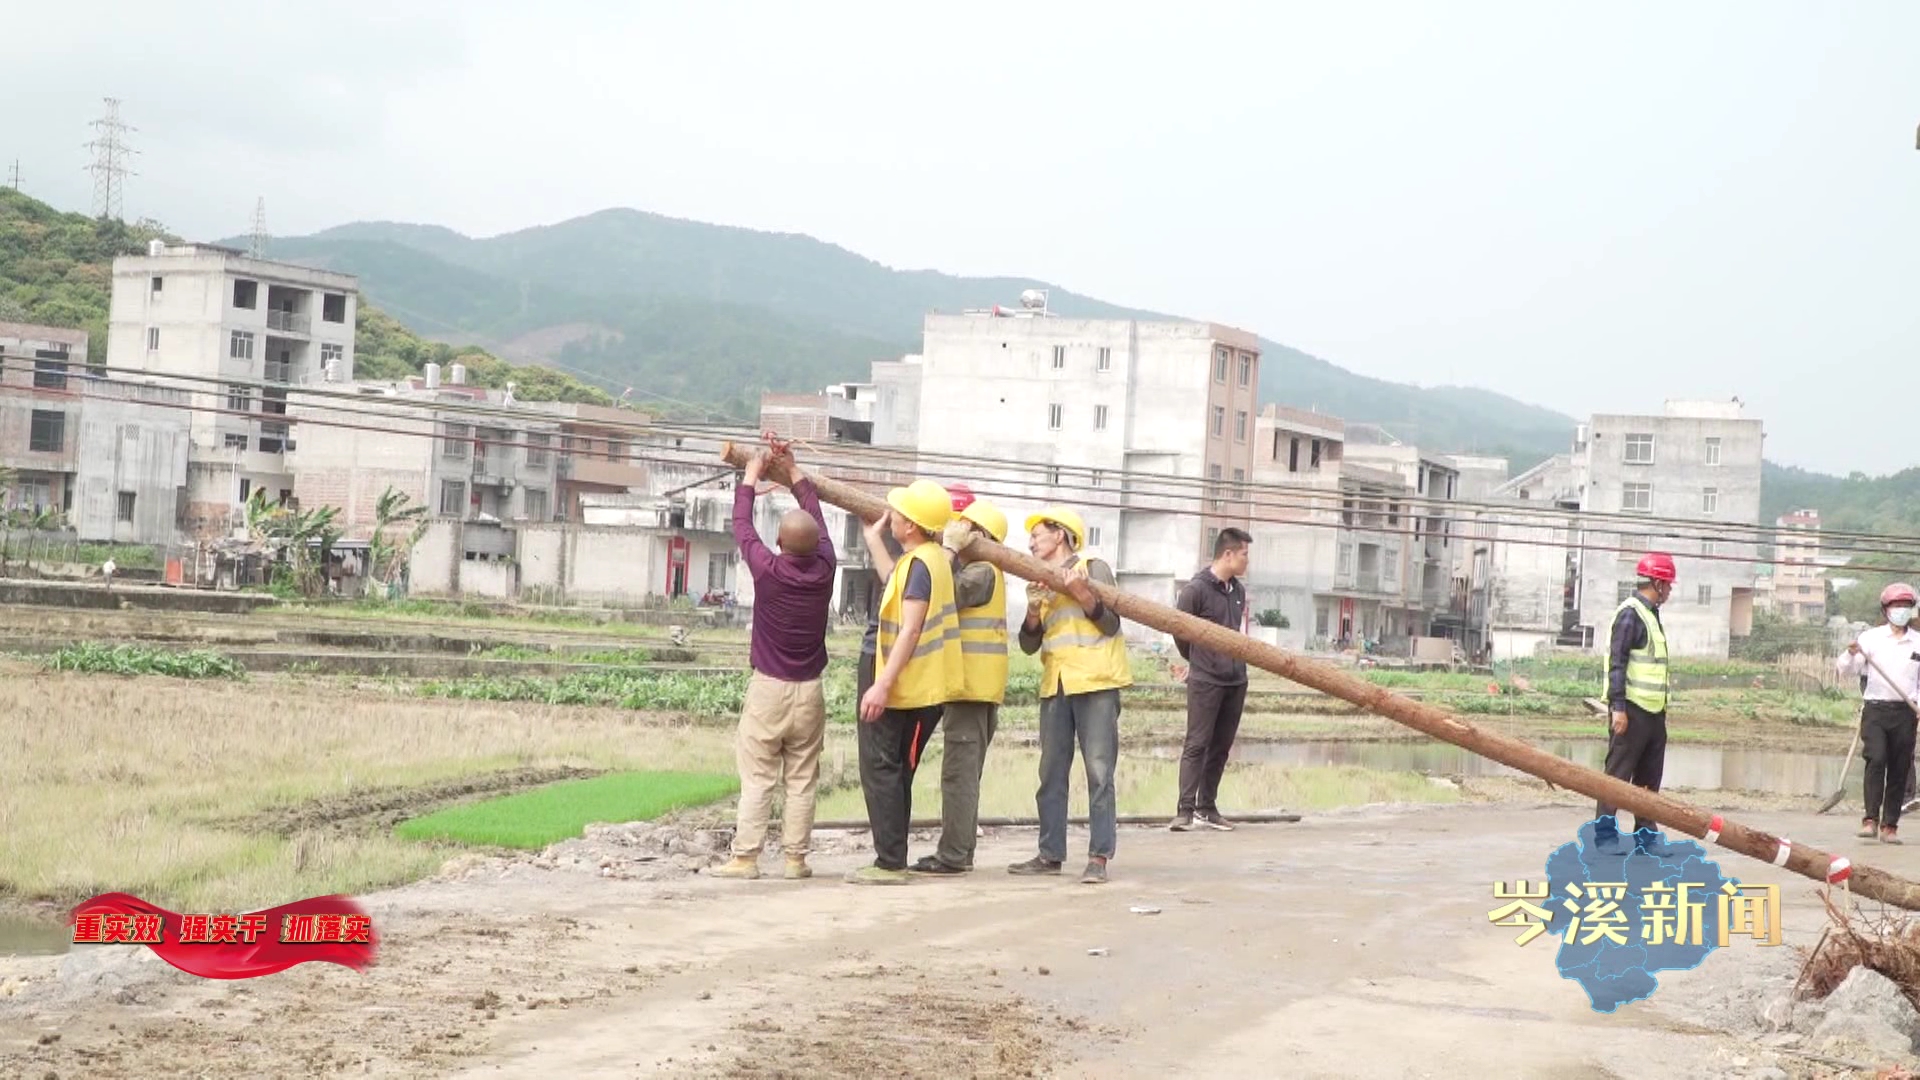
x=1900 y=616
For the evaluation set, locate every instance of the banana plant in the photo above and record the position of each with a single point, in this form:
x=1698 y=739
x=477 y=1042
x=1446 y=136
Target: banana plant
x=395 y=512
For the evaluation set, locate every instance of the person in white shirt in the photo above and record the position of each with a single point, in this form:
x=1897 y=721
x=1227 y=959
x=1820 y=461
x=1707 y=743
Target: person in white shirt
x=1892 y=710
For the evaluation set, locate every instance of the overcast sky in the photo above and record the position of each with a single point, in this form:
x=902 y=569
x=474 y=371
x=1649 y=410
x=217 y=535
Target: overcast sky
x=1587 y=207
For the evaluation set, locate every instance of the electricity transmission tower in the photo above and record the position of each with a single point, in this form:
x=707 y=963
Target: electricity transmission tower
x=110 y=155
x=258 y=247
x=13 y=175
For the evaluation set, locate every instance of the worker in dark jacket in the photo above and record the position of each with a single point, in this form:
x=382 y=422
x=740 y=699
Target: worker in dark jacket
x=1216 y=682
x=1636 y=674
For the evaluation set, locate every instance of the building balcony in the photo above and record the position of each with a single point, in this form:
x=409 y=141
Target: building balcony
x=292 y=322
x=581 y=469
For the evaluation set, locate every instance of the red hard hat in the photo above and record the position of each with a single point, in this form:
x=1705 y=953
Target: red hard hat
x=962 y=496
x=1898 y=593
x=1657 y=565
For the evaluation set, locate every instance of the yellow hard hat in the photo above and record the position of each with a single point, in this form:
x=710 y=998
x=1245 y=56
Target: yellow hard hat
x=1066 y=519
x=924 y=503
x=989 y=517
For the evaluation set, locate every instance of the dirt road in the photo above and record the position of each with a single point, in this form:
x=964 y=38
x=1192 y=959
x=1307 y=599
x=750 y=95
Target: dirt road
x=1351 y=944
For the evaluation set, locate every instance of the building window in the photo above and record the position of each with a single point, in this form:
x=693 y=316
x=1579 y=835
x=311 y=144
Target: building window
x=1636 y=497
x=1213 y=474
x=158 y=283
x=1240 y=425
x=48 y=434
x=153 y=339
x=1713 y=450
x=1105 y=363
x=49 y=375
x=239 y=398
x=331 y=353
x=1240 y=484
x=1220 y=366
x=1053 y=476
x=1097 y=478
x=1293 y=456
x=1219 y=419
x=245 y=293
x=1639 y=449
x=125 y=509
x=1707 y=548
x=1099 y=418
x=1343 y=559
x=453 y=498
x=537 y=451
x=246 y=488
x=1093 y=536
x=536 y=504
x=1246 y=370
x=240 y=345
x=1710 y=501
x=457 y=445
x=616 y=450
x=718 y=564
x=1314 y=461
x=234 y=441
x=1059 y=357
x=1055 y=415
x=1706 y=595
x=333 y=308
x=1622 y=591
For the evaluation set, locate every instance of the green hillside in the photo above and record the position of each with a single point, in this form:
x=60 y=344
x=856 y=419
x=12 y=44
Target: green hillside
x=56 y=269
x=716 y=314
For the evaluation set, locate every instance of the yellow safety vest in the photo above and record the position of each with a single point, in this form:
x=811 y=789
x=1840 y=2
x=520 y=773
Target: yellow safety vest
x=934 y=674
x=1075 y=657
x=983 y=646
x=1646 y=665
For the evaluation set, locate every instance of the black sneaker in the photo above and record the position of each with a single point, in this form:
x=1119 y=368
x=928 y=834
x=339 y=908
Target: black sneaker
x=1034 y=866
x=930 y=864
x=1095 y=873
x=1181 y=823
x=1212 y=820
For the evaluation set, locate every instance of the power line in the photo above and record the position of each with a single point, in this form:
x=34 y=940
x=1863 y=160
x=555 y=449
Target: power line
x=694 y=459
x=110 y=156
x=1156 y=485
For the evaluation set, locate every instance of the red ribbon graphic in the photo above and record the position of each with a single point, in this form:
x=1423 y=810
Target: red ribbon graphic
x=276 y=935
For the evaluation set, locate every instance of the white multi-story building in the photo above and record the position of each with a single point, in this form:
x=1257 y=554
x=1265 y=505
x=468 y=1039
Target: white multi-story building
x=216 y=314
x=1693 y=466
x=1799 y=579
x=1068 y=405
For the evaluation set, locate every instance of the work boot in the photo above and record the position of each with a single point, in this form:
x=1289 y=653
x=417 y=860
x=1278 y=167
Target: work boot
x=739 y=867
x=1095 y=873
x=797 y=869
x=1868 y=827
x=1181 y=822
x=876 y=875
x=1034 y=866
x=1212 y=820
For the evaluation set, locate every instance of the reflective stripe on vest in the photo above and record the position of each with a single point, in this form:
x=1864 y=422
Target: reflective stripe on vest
x=1075 y=657
x=983 y=646
x=1646 y=665
x=934 y=673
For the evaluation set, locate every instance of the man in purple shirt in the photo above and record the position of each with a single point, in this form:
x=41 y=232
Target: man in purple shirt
x=784 y=721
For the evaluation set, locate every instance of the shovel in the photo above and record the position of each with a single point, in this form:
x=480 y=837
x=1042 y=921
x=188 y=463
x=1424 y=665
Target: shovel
x=1840 y=792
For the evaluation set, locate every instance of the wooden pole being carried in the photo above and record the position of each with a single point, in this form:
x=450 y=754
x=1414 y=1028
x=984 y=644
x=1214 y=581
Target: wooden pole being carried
x=1645 y=805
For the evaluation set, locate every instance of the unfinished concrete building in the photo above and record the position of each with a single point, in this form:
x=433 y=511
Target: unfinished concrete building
x=108 y=455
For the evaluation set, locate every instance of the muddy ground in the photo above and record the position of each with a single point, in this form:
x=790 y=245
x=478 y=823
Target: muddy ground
x=1350 y=944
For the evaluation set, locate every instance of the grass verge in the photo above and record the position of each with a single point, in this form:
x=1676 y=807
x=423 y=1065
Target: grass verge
x=534 y=819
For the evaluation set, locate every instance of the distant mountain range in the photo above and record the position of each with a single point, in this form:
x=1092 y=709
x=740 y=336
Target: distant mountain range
x=713 y=315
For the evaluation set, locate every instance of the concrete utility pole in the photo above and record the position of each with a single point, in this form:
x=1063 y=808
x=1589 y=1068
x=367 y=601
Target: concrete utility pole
x=1428 y=719
x=109 y=167
x=13 y=175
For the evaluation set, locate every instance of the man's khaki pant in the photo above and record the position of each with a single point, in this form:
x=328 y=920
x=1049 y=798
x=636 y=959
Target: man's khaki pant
x=782 y=728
